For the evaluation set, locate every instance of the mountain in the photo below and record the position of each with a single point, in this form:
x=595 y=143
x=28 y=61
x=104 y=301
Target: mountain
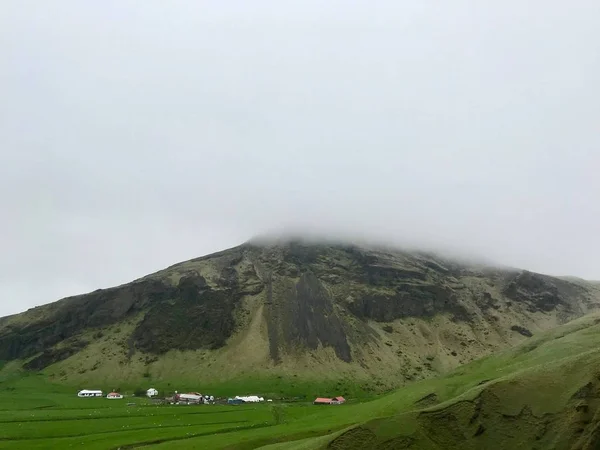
x=293 y=309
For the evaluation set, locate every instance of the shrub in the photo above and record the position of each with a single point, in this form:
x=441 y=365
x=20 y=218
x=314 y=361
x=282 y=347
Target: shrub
x=139 y=392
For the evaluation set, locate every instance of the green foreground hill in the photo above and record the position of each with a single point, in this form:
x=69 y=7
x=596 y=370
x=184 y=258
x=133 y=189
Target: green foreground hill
x=298 y=317
x=542 y=394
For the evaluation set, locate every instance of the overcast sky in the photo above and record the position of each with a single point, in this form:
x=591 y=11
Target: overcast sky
x=136 y=134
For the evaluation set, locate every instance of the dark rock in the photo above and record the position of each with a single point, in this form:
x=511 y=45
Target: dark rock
x=197 y=317
x=304 y=316
x=428 y=400
x=589 y=390
x=582 y=408
x=425 y=300
x=399 y=443
x=521 y=330
x=73 y=315
x=359 y=437
x=541 y=292
x=52 y=356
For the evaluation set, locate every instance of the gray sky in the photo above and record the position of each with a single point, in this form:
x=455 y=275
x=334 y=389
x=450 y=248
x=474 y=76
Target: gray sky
x=134 y=135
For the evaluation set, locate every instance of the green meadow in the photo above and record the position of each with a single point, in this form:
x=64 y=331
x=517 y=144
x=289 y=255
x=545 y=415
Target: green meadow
x=541 y=377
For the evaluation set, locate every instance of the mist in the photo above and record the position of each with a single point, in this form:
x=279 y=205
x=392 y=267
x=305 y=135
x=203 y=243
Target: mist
x=135 y=136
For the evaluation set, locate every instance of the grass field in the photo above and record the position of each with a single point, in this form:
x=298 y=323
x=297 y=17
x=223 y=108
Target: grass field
x=540 y=377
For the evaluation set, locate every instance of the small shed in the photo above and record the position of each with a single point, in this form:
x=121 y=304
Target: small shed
x=151 y=392
x=114 y=396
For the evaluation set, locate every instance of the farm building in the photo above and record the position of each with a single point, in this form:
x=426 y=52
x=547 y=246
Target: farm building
x=329 y=401
x=238 y=400
x=191 y=397
x=250 y=398
x=114 y=396
x=89 y=393
x=151 y=392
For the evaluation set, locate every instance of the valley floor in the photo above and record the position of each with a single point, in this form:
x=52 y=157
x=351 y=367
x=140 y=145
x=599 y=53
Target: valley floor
x=543 y=394
x=33 y=419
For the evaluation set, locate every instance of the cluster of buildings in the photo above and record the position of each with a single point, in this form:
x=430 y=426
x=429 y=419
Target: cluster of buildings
x=200 y=399
x=111 y=395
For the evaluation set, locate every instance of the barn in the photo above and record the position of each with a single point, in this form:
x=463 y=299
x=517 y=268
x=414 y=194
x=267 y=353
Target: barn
x=329 y=401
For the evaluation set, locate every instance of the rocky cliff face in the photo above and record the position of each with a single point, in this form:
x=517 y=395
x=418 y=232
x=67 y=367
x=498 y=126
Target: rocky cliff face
x=362 y=309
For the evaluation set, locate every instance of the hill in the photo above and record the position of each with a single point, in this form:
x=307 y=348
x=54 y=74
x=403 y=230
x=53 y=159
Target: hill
x=334 y=313
x=540 y=394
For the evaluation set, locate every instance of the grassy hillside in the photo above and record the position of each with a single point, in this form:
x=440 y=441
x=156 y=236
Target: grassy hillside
x=542 y=394
x=339 y=317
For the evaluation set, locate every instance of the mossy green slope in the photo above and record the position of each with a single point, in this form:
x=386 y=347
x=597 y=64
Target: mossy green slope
x=543 y=394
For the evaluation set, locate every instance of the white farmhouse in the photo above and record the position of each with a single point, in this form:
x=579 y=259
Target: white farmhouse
x=250 y=398
x=151 y=392
x=89 y=393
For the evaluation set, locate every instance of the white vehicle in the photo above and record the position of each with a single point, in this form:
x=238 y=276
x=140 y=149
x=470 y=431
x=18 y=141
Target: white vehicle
x=89 y=393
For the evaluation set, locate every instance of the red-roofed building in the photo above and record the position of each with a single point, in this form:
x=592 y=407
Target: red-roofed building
x=329 y=401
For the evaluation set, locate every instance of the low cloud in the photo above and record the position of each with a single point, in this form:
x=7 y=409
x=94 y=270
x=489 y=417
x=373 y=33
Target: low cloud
x=136 y=137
